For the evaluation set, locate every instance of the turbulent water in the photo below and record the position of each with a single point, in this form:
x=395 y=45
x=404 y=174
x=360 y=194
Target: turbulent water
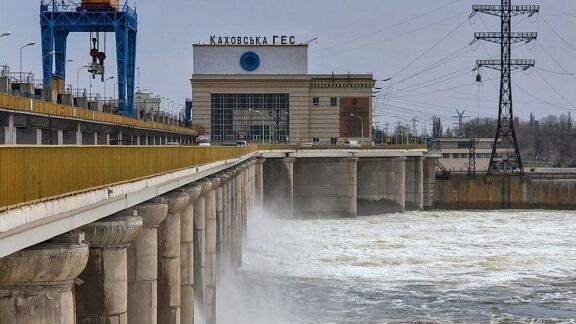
x=419 y=267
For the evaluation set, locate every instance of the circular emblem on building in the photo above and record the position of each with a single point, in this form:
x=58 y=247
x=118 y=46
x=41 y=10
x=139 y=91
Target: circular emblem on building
x=250 y=61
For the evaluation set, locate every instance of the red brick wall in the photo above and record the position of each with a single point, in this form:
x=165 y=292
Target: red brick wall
x=350 y=126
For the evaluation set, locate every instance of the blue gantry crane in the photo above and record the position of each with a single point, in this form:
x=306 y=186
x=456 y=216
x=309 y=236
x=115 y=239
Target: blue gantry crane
x=59 y=18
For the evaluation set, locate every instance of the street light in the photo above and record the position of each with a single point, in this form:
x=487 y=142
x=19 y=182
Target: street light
x=78 y=78
x=109 y=78
x=21 y=48
x=297 y=130
x=5 y=34
x=262 y=114
x=361 y=125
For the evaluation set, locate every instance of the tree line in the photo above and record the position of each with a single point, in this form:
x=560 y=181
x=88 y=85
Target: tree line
x=549 y=140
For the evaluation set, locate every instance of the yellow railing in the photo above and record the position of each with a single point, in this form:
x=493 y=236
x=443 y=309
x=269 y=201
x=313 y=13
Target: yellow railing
x=49 y=108
x=269 y=147
x=31 y=173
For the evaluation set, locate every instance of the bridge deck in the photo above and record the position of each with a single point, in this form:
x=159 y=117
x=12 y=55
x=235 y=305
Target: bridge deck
x=48 y=108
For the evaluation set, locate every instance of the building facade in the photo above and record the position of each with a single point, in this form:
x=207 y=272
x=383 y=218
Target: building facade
x=456 y=153
x=263 y=93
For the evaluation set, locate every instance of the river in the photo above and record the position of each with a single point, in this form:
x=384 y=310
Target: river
x=416 y=267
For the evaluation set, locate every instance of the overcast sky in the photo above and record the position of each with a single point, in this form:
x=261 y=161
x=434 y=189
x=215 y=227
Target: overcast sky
x=389 y=38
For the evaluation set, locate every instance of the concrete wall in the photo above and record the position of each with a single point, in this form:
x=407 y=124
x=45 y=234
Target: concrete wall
x=414 y=183
x=325 y=186
x=381 y=185
x=498 y=192
x=429 y=182
x=279 y=186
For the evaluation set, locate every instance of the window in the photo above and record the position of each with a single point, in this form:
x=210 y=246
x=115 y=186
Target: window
x=316 y=101
x=445 y=155
x=455 y=155
x=463 y=155
x=334 y=102
x=463 y=144
x=254 y=117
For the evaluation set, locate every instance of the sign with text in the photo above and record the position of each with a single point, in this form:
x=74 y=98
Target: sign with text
x=253 y=40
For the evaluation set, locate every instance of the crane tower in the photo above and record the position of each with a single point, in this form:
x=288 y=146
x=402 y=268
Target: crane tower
x=58 y=19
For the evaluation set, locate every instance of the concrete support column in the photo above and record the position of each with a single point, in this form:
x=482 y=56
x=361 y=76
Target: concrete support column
x=199 y=246
x=227 y=226
x=79 y=135
x=237 y=220
x=187 y=255
x=381 y=185
x=429 y=181
x=107 y=139
x=253 y=167
x=38 y=136
x=325 y=186
x=415 y=183
x=103 y=297
x=278 y=188
x=143 y=265
x=169 y=259
x=210 y=272
x=10 y=131
x=36 y=284
x=221 y=202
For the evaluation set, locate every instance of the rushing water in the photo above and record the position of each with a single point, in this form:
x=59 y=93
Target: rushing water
x=418 y=267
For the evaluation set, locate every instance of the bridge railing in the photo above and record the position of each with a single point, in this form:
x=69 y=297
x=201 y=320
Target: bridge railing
x=49 y=108
x=33 y=173
x=269 y=147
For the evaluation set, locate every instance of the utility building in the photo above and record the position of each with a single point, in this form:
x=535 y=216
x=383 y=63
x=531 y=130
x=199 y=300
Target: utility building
x=263 y=93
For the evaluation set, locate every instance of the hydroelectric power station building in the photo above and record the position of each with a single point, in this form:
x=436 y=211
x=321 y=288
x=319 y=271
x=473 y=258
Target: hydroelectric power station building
x=264 y=93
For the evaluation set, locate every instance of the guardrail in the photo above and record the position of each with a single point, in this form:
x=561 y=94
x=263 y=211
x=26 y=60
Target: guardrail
x=269 y=147
x=32 y=173
x=49 y=108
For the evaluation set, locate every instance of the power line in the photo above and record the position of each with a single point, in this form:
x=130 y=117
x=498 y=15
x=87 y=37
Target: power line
x=539 y=99
x=440 y=79
x=433 y=66
x=554 y=72
x=430 y=49
x=388 y=27
x=558 y=34
x=553 y=89
x=554 y=59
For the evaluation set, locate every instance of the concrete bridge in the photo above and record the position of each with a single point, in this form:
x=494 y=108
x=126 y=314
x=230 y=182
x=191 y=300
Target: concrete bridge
x=94 y=234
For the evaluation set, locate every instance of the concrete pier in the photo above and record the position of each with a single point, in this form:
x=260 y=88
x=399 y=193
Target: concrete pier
x=143 y=265
x=220 y=221
x=210 y=252
x=199 y=245
x=381 y=185
x=187 y=255
x=227 y=226
x=325 y=186
x=259 y=182
x=169 y=259
x=429 y=166
x=415 y=183
x=278 y=186
x=103 y=295
x=36 y=284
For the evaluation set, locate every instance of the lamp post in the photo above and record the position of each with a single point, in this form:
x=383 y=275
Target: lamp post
x=262 y=114
x=297 y=130
x=361 y=125
x=21 y=48
x=78 y=78
x=109 y=78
